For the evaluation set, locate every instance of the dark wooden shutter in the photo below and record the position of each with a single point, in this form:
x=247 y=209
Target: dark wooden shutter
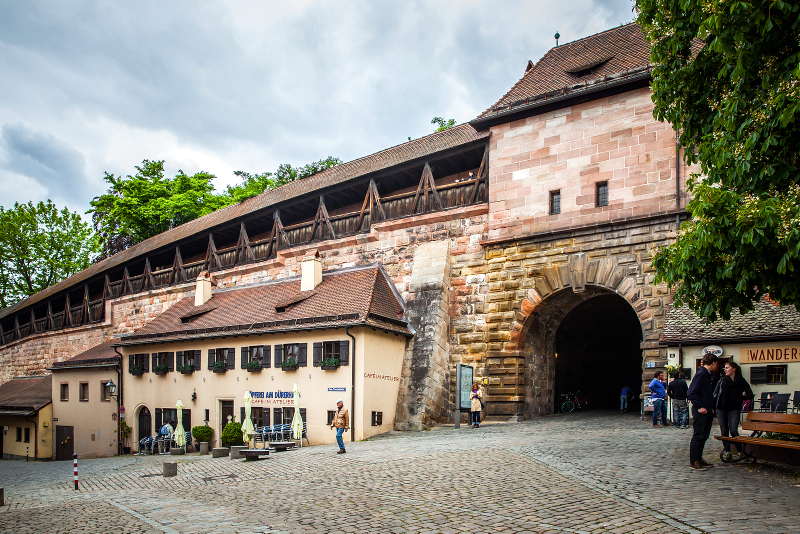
x=130 y=363
x=212 y=355
x=277 y=416
x=146 y=363
x=265 y=416
x=758 y=375
x=159 y=422
x=154 y=356
x=197 y=357
x=278 y=356
x=179 y=359
x=317 y=354
x=265 y=353
x=230 y=362
x=344 y=353
x=241 y=414
x=187 y=420
x=303 y=414
x=302 y=355
x=245 y=356
x=170 y=361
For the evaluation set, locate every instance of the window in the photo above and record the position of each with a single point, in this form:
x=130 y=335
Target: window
x=104 y=396
x=220 y=359
x=260 y=417
x=776 y=374
x=555 y=202
x=163 y=362
x=259 y=354
x=138 y=364
x=65 y=392
x=207 y=419
x=331 y=353
x=297 y=352
x=83 y=391
x=27 y=435
x=284 y=416
x=331 y=415
x=187 y=360
x=19 y=433
x=377 y=418
x=602 y=194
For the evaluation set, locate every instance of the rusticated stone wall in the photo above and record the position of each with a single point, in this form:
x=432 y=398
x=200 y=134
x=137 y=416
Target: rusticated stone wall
x=508 y=301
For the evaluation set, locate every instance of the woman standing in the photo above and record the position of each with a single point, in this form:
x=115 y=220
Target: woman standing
x=732 y=390
x=476 y=405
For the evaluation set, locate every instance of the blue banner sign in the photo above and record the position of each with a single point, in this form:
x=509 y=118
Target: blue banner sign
x=272 y=394
x=337 y=389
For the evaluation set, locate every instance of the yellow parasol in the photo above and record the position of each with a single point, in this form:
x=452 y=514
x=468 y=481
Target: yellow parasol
x=180 y=433
x=247 y=425
x=297 y=421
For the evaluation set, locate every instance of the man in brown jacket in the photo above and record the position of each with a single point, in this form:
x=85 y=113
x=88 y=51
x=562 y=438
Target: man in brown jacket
x=341 y=421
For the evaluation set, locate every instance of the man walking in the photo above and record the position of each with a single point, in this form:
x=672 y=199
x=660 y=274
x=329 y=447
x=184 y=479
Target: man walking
x=623 y=398
x=341 y=421
x=658 y=393
x=701 y=393
x=677 y=391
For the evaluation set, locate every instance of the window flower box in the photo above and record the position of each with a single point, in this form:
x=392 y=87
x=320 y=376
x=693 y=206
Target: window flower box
x=160 y=370
x=329 y=364
x=253 y=366
x=187 y=369
x=137 y=370
x=219 y=367
x=289 y=364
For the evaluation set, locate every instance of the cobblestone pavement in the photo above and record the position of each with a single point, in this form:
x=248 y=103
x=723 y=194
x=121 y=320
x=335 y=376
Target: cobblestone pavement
x=591 y=472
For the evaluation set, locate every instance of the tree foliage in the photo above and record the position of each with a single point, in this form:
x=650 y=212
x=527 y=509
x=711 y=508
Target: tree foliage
x=442 y=123
x=726 y=76
x=255 y=184
x=39 y=246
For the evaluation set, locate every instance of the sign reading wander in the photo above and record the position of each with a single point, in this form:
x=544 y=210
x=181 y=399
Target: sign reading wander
x=785 y=354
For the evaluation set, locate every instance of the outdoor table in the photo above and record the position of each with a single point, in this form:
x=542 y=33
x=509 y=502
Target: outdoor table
x=282 y=445
x=251 y=455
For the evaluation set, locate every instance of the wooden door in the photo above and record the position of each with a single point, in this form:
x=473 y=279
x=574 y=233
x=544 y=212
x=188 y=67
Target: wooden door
x=64 y=442
x=227 y=409
x=145 y=424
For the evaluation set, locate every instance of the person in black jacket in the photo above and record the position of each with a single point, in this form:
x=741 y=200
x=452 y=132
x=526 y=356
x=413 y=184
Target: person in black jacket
x=701 y=393
x=732 y=389
x=677 y=391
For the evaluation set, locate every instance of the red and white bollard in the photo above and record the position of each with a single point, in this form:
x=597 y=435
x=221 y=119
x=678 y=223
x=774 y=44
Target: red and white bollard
x=75 y=468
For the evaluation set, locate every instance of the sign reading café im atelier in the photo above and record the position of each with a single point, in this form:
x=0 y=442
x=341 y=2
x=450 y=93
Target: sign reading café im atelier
x=783 y=354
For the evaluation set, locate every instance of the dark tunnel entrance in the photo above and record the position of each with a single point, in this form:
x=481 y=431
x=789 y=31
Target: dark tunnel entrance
x=598 y=352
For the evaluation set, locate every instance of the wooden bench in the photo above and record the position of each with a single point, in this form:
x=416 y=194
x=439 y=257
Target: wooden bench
x=758 y=423
x=252 y=455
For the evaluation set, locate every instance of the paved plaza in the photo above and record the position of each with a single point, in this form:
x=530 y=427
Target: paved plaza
x=583 y=472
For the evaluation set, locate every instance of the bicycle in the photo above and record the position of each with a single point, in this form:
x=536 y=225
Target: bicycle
x=571 y=401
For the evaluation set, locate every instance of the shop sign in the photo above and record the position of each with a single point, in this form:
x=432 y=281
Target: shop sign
x=271 y=397
x=713 y=349
x=337 y=389
x=784 y=354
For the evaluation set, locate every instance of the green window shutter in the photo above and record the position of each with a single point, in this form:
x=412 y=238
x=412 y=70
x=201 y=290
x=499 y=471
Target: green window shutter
x=130 y=363
x=317 y=354
x=344 y=352
x=245 y=356
x=265 y=352
x=212 y=355
x=179 y=359
x=146 y=363
x=170 y=361
x=230 y=361
x=302 y=355
x=278 y=355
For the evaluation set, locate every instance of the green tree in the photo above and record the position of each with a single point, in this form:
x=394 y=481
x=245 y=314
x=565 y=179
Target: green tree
x=726 y=76
x=442 y=124
x=138 y=207
x=255 y=184
x=39 y=246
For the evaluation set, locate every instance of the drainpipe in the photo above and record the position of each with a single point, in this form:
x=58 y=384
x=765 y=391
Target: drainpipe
x=352 y=387
x=677 y=178
x=35 y=438
x=119 y=399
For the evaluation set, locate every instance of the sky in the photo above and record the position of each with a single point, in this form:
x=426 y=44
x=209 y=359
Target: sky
x=94 y=87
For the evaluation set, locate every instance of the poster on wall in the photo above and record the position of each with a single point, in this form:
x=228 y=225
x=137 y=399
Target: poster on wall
x=465 y=386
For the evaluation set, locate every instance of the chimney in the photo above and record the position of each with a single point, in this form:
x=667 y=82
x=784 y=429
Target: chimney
x=311 y=272
x=203 y=292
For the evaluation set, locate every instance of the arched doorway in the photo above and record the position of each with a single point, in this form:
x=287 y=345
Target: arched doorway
x=597 y=352
x=145 y=423
x=589 y=345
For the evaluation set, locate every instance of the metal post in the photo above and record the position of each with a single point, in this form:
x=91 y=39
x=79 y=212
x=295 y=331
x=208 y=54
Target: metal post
x=75 y=469
x=458 y=395
x=27 y=450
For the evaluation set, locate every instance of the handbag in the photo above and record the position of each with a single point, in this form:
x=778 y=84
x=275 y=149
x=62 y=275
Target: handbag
x=747 y=405
x=482 y=404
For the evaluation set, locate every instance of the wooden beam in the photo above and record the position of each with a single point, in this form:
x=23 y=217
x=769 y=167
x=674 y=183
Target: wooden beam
x=126 y=282
x=279 y=233
x=426 y=184
x=244 y=254
x=49 y=315
x=270 y=239
x=178 y=271
x=17 y=333
x=33 y=322
x=377 y=199
x=367 y=200
x=85 y=313
x=483 y=172
x=106 y=288
x=320 y=218
x=211 y=262
x=148 y=275
x=67 y=312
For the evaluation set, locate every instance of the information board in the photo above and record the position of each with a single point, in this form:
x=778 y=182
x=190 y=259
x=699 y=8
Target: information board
x=465 y=383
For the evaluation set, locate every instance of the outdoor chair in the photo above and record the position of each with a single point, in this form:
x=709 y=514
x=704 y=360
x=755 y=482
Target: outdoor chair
x=144 y=445
x=304 y=436
x=258 y=436
x=780 y=402
x=274 y=434
x=765 y=402
x=286 y=432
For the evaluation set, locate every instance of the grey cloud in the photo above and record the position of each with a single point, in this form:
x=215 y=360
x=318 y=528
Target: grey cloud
x=50 y=162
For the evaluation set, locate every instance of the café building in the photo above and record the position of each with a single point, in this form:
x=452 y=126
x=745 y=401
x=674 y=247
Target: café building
x=340 y=334
x=764 y=342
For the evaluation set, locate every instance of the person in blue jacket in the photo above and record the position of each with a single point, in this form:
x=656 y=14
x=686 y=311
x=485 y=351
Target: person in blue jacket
x=658 y=392
x=701 y=393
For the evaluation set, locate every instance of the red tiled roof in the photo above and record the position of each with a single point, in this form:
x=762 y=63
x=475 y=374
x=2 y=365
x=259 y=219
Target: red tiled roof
x=346 y=297
x=767 y=320
x=406 y=152
x=604 y=54
x=24 y=396
x=99 y=354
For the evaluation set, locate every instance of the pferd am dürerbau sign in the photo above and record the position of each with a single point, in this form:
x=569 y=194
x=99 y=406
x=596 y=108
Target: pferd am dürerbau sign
x=784 y=354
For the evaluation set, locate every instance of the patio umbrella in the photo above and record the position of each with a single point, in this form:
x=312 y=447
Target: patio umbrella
x=297 y=421
x=247 y=425
x=180 y=433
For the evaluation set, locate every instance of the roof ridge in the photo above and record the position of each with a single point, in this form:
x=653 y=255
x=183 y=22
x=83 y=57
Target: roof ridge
x=596 y=34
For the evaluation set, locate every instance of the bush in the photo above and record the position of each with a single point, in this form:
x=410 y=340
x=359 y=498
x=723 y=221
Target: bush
x=202 y=433
x=232 y=434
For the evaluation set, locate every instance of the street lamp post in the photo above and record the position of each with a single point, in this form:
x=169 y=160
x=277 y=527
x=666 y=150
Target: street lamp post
x=111 y=389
